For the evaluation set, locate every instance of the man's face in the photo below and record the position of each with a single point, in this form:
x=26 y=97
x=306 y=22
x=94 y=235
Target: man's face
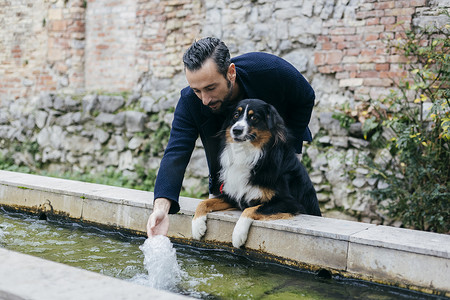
x=210 y=86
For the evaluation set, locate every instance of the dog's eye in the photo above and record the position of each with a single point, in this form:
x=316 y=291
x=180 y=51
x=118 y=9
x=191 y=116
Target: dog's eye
x=253 y=118
x=236 y=115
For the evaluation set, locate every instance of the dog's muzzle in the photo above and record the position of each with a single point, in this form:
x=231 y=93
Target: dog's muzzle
x=240 y=133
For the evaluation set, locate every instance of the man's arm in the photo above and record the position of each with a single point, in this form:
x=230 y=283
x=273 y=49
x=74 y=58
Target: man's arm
x=168 y=183
x=183 y=136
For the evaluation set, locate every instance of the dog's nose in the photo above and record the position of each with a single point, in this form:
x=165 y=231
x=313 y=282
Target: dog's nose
x=238 y=130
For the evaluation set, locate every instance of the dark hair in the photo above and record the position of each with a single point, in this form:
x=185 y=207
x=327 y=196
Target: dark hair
x=206 y=48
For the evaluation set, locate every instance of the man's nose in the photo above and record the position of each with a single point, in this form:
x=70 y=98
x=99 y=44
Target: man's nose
x=206 y=99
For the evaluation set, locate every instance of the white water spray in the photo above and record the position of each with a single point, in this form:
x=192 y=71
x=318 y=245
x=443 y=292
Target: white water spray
x=160 y=261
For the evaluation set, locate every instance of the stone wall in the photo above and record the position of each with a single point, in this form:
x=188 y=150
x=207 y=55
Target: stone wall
x=114 y=72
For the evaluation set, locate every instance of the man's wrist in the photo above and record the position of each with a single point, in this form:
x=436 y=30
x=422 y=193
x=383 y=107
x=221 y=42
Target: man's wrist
x=162 y=204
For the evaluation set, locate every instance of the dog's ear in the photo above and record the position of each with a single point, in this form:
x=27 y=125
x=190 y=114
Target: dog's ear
x=276 y=124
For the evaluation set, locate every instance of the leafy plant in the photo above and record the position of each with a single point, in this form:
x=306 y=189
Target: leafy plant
x=413 y=124
x=344 y=116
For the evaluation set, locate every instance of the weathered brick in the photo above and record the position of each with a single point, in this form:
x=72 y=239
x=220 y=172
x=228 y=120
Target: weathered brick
x=345 y=45
x=382 y=67
x=58 y=25
x=342 y=31
x=327 y=57
x=381 y=82
x=367 y=67
x=387 y=20
x=334 y=57
x=350 y=59
x=368 y=74
x=354 y=37
x=351 y=67
x=328 y=46
x=368 y=14
x=373 y=21
x=417 y=2
x=337 y=38
x=393 y=74
x=400 y=11
x=370 y=29
x=368 y=56
x=328 y=69
x=384 y=5
x=342 y=75
x=353 y=51
x=404 y=19
x=351 y=82
x=372 y=37
x=319 y=58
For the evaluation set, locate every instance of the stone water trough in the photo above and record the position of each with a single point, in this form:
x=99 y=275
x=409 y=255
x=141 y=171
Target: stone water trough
x=400 y=257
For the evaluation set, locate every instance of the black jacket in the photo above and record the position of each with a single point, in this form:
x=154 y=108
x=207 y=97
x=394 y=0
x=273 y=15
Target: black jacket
x=262 y=76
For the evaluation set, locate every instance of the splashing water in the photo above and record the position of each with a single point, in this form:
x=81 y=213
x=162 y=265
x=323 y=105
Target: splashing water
x=160 y=261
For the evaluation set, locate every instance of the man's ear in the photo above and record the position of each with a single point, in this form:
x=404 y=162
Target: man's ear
x=276 y=125
x=231 y=74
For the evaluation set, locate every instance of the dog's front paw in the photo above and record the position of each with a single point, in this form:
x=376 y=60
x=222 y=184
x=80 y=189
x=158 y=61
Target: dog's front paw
x=240 y=232
x=198 y=227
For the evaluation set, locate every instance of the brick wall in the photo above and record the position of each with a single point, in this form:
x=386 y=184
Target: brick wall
x=165 y=29
x=66 y=44
x=22 y=48
x=356 y=49
x=42 y=47
x=75 y=45
x=110 y=44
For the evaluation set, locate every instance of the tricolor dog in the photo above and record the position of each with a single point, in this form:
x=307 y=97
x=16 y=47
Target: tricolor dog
x=260 y=173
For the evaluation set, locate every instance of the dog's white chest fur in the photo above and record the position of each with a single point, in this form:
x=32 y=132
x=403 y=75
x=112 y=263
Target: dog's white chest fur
x=237 y=160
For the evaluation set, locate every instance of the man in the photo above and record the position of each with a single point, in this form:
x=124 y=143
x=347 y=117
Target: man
x=216 y=83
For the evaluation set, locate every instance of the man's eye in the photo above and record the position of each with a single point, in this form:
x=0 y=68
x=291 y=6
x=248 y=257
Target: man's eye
x=210 y=89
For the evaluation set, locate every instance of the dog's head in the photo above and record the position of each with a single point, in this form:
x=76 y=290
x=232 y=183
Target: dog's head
x=256 y=121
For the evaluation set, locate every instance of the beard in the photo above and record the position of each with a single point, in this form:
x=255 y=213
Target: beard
x=225 y=104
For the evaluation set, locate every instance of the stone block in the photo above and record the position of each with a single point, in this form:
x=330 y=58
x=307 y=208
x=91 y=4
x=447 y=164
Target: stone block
x=126 y=161
x=27 y=277
x=135 y=121
x=401 y=256
x=110 y=119
x=28 y=195
x=382 y=82
x=116 y=214
x=110 y=104
x=351 y=82
x=400 y=11
x=339 y=141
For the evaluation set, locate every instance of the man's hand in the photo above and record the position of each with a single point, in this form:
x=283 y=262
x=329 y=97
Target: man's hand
x=158 y=222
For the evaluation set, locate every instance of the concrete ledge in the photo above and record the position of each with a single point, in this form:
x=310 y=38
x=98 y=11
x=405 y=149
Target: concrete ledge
x=32 y=278
x=400 y=257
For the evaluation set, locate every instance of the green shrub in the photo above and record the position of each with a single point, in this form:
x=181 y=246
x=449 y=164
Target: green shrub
x=417 y=189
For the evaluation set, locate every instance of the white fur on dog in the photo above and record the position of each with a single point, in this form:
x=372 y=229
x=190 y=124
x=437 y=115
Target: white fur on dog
x=198 y=227
x=240 y=232
x=236 y=176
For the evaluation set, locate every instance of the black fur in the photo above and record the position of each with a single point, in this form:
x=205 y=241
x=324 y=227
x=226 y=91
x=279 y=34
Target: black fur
x=278 y=169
